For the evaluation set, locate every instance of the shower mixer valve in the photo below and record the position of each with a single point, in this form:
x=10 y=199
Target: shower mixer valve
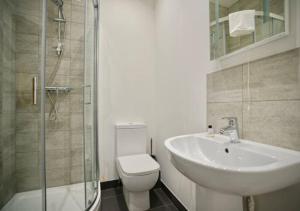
x=59 y=48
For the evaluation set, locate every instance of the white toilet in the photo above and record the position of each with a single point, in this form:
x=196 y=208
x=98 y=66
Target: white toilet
x=137 y=170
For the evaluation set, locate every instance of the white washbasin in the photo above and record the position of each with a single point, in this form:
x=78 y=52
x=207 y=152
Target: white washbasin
x=245 y=169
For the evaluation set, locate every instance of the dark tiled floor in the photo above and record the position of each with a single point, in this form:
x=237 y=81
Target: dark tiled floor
x=113 y=200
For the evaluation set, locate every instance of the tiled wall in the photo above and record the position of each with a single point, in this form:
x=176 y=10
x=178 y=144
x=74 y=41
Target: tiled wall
x=264 y=95
x=7 y=102
x=64 y=148
x=27 y=16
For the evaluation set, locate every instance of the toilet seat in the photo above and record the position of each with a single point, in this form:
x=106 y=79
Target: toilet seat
x=138 y=165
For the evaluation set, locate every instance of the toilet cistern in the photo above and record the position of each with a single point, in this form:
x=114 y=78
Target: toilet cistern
x=137 y=170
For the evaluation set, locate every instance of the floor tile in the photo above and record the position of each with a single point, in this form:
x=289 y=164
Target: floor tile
x=111 y=192
x=116 y=203
x=113 y=200
x=159 y=198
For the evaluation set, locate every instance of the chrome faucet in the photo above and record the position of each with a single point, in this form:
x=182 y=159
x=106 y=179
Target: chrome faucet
x=232 y=130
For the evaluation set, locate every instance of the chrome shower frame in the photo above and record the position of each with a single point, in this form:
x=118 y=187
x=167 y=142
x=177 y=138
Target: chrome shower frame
x=96 y=203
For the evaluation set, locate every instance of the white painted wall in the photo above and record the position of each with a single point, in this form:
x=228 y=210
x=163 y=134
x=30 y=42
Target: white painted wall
x=127 y=72
x=154 y=56
x=183 y=59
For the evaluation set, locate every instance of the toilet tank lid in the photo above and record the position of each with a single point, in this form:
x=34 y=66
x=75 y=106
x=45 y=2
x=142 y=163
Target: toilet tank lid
x=138 y=165
x=130 y=125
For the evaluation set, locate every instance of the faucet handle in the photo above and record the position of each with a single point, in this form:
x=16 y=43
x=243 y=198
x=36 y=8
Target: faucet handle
x=232 y=120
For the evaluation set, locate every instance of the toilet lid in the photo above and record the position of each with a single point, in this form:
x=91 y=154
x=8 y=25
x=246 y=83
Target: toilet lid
x=141 y=164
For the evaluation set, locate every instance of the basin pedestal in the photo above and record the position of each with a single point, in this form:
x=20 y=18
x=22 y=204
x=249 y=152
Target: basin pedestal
x=210 y=200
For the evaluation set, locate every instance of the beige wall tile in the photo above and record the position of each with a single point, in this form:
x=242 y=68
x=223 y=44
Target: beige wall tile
x=62 y=122
x=57 y=140
x=76 y=82
x=77 y=14
x=27 y=43
x=27 y=142
x=59 y=158
x=28 y=183
x=77 y=31
x=61 y=80
x=76 y=103
x=27 y=122
x=58 y=177
x=77 y=174
x=56 y=67
x=77 y=49
x=30 y=8
x=27 y=24
x=273 y=78
x=76 y=139
x=27 y=63
x=77 y=67
x=27 y=160
x=78 y=2
x=76 y=121
x=77 y=156
x=225 y=86
x=25 y=103
x=33 y=171
x=273 y=122
x=7 y=103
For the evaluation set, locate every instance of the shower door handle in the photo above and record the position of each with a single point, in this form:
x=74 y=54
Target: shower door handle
x=34 y=90
x=87 y=94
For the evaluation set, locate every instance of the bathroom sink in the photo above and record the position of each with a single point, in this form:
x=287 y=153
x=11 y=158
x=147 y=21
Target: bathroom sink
x=246 y=168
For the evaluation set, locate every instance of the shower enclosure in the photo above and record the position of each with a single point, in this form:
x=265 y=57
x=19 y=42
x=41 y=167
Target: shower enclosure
x=48 y=105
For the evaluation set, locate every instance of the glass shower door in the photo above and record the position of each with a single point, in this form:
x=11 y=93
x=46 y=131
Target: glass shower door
x=90 y=104
x=21 y=105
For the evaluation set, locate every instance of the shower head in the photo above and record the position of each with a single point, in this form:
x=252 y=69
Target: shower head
x=58 y=3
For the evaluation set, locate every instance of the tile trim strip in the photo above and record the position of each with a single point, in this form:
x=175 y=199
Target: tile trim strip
x=173 y=198
x=110 y=184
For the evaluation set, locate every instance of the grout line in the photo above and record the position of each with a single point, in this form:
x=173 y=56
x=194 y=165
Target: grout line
x=243 y=103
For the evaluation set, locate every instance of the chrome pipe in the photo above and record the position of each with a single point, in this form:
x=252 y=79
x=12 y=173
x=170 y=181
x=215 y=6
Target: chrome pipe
x=58 y=3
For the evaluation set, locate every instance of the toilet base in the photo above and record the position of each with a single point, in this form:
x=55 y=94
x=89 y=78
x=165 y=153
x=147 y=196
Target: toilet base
x=137 y=201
